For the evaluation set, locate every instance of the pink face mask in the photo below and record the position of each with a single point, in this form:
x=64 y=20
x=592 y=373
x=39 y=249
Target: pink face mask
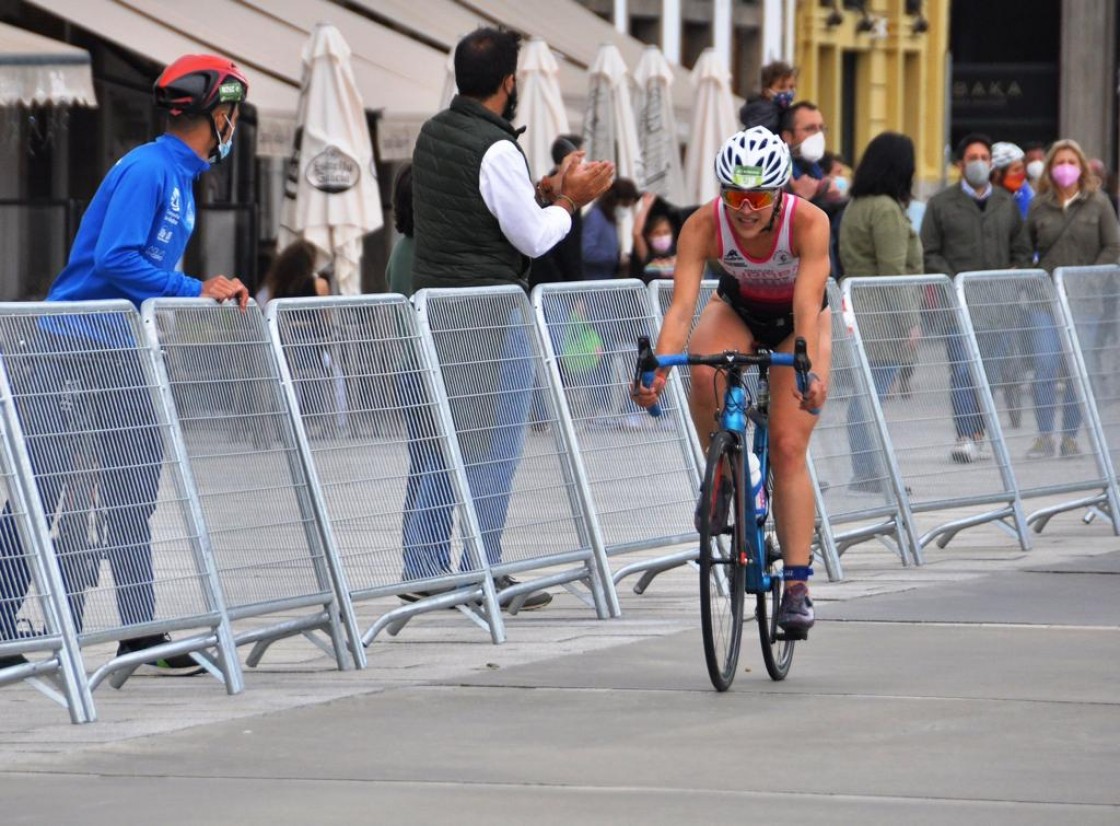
x=1065 y=174
x=661 y=243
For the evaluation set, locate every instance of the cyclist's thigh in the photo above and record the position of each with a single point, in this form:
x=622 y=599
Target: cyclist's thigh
x=720 y=328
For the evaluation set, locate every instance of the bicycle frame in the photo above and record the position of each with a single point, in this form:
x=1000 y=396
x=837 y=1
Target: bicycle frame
x=738 y=409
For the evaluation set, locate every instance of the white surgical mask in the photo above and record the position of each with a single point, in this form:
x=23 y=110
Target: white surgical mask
x=977 y=173
x=1034 y=169
x=812 y=148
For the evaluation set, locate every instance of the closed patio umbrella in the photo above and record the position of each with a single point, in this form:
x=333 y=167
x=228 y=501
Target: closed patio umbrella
x=331 y=196
x=610 y=132
x=713 y=122
x=540 y=105
x=657 y=127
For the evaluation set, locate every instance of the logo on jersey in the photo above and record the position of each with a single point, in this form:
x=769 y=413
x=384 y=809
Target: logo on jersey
x=733 y=257
x=747 y=177
x=176 y=200
x=164 y=235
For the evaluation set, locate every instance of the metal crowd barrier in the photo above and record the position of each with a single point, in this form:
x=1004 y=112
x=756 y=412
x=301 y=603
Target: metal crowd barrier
x=256 y=497
x=1091 y=300
x=1023 y=334
x=106 y=460
x=851 y=455
x=942 y=427
x=641 y=473
x=391 y=477
x=523 y=481
x=34 y=616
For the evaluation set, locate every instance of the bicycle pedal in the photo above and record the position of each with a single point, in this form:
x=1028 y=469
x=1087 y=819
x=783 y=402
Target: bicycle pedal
x=794 y=635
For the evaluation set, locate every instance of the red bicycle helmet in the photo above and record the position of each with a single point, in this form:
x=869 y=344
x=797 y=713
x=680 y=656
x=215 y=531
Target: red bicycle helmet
x=196 y=83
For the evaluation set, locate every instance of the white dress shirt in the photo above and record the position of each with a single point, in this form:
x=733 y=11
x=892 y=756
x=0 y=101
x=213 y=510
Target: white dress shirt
x=509 y=194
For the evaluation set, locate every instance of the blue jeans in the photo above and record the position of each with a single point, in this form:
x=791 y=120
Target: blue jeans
x=75 y=429
x=967 y=419
x=490 y=403
x=865 y=465
x=1050 y=367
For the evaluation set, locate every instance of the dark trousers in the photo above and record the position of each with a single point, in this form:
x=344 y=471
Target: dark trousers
x=92 y=436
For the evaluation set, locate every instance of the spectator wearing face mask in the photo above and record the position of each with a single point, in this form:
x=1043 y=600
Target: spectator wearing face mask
x=1071 y=224
x=1009 y=170
x=803 y=129
x=972 y=225
x=1034 y=158
x=778 y=88
x=655 y=241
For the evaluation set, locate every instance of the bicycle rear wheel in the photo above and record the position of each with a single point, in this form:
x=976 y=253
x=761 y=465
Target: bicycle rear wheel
x=722 y=578
x=777 y=651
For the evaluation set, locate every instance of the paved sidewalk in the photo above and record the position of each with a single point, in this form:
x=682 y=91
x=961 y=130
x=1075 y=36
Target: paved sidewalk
x=980 y=688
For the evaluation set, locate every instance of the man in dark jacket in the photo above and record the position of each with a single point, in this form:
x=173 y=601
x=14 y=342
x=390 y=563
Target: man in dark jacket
x=778 y=82
x=478 y=221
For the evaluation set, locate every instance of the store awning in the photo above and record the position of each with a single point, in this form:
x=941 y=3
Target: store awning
x=274 y=99
x=397 y=76
x=36 y=70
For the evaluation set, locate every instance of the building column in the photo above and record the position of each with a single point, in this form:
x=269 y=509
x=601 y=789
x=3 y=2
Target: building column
x=671 y=30
x=621 y=17
x=1087 y=90
x=721 y=30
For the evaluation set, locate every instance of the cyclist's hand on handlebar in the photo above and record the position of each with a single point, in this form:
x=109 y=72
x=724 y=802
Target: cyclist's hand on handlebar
x=646 y=397
x=221 y=288
x=814 y=397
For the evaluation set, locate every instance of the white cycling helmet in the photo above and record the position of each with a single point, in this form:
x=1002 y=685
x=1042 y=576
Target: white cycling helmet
x=1004 y=154
x=754 y=159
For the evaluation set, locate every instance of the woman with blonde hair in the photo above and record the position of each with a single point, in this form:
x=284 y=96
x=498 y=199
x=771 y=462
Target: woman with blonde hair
x=1071 y=224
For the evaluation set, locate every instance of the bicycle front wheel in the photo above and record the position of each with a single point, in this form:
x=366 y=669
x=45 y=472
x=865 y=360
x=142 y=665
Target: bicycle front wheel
x=722 y=577
x=777 y=650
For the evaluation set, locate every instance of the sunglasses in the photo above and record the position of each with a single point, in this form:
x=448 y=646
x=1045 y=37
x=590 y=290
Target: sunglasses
x=754 y=198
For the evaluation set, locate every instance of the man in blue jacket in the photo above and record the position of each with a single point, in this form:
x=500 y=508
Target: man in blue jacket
x=130 y=240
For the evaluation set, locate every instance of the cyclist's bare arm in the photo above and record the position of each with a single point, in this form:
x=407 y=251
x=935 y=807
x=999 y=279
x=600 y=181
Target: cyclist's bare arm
x=811 y=231
x=694 y=247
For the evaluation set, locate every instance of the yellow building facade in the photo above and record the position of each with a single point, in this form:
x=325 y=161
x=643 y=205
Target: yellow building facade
x=882 y=68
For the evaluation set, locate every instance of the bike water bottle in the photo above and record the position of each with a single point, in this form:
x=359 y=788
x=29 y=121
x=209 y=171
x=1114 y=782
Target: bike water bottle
x=758 y=490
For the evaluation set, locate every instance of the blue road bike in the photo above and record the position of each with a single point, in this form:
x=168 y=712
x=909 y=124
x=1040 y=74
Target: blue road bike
x=739 y=551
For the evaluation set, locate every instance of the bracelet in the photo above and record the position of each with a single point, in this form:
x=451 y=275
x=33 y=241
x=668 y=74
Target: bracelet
x=569 y=200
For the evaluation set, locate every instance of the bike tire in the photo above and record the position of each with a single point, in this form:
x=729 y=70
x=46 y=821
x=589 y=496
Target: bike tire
x=777 y=650
x=722 y=577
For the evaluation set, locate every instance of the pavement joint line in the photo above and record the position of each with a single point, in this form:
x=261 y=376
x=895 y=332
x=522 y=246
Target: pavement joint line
x=760 y=691
x=975 y=625
x=779 y=794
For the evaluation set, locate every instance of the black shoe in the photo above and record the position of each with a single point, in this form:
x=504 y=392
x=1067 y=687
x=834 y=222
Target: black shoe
x=534 y=601
x=178 y=665
x=416 y=596
x=13 y=661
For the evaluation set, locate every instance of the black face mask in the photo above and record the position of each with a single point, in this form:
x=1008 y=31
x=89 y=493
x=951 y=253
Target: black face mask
x=511 y=105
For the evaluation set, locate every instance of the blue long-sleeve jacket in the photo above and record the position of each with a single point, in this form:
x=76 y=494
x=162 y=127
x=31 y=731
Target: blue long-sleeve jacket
x=136 y=229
